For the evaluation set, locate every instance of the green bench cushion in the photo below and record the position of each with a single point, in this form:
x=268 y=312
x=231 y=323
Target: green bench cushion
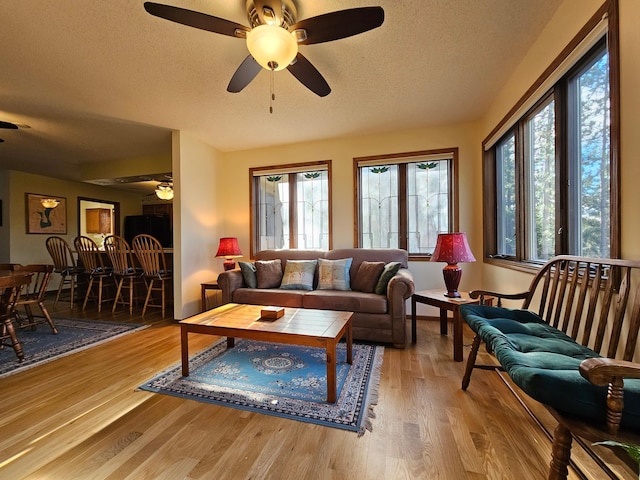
x=544 y=361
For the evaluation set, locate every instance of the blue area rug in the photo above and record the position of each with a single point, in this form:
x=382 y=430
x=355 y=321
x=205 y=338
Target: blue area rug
x=282 y=380
x=42 y=345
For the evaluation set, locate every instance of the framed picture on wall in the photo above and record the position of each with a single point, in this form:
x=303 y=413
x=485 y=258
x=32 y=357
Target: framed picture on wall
x=46 y=214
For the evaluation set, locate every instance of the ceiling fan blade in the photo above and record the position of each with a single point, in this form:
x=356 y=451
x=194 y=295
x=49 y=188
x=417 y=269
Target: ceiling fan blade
x=269 y=12
x=309 y=76
x=9 y=125
x=196 y=19
x=246 y=72
x=340 y=24
x=1 y=140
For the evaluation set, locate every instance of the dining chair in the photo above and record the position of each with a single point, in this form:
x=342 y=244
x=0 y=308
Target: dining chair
x=34 y=294
x=91 y=258
x=10 y=288
x=124 y=269
x=65 y=265
x=8 y=266
x=151 y=256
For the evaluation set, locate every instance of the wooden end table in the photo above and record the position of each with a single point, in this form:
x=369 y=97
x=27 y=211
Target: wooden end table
x=211 y=285
x=436 y=298
x=298 y=326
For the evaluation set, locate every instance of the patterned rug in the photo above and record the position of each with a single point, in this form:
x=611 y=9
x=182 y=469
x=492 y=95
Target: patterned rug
x=42 y=345
x=282 y=380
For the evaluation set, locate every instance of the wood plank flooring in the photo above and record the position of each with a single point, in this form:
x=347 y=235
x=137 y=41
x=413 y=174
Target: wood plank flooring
x=81 y=417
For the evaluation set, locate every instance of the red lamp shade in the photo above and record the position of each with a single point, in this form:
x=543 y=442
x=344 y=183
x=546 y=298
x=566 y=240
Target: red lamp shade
x=229 y=249
x=452 y=248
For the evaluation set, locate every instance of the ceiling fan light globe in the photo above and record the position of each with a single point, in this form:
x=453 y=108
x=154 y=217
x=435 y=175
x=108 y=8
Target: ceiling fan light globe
x=164 y=191
x=274 y=48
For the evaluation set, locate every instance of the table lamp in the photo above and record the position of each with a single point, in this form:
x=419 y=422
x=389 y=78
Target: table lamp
x=452 y=248
x=229 y=250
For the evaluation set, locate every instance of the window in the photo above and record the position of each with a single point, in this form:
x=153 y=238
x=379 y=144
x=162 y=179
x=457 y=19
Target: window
x=291 y=206
x=405 y=200
x=551 y=178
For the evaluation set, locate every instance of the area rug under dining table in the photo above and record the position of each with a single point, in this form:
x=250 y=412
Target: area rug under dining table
x=41 y=345
x=287 y=381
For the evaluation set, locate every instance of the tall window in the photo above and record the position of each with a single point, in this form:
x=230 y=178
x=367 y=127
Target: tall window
x=405 y=200
x=291 y=206
x=551 y=191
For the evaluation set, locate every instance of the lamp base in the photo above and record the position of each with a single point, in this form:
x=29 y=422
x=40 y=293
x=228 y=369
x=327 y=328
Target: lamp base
x=452 y=274
x=229 y=264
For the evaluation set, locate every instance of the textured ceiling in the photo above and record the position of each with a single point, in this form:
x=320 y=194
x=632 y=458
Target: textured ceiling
x=105 y=80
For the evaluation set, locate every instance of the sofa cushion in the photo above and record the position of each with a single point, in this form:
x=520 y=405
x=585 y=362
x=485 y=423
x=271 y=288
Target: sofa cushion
x=248 y=270
x=298 y=275
x=268 y=273
x=268 y=296
x=334 y=274
x=349 y=301
x=390 y=269
x=544 y=362
x=367 y=276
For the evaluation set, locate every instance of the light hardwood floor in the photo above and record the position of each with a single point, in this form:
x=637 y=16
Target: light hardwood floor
x=81 y=417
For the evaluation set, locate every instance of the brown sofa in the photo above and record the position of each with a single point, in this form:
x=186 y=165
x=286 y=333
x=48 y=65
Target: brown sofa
x=377 y=318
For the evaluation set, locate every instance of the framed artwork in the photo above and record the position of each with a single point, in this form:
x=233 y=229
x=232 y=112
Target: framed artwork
x=46 y=214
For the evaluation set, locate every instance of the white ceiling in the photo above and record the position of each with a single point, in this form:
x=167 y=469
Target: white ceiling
x=104 y=80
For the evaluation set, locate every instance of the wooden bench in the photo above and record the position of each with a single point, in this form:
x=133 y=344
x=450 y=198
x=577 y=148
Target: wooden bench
x=570 y=346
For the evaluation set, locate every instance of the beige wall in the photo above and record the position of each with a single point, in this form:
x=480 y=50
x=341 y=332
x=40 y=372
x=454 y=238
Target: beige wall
x=197 y=221
x=565 y=24
x=29 y=248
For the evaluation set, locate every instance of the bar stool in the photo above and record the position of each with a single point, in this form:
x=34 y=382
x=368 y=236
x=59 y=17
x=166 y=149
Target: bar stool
x=89 y=255
x=124 y=269
x=65 y=265
x=151 y=256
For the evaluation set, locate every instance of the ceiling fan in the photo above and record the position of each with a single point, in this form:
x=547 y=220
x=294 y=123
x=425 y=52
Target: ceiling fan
x=274 y=36
x=9 y=125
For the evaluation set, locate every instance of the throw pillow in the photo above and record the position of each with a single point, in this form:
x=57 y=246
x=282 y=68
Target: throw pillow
x=249 y=274
x=269 y=273
x=367 y=276
x=334 y=274
x=390 y=269
x=298 y=275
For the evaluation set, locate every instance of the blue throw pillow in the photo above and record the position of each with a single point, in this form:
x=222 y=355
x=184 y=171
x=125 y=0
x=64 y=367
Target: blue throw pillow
x=248 y=270
x=298 y=275
x=334 y=274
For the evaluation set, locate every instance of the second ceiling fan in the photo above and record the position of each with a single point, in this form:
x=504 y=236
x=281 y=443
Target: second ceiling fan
x=275 y=34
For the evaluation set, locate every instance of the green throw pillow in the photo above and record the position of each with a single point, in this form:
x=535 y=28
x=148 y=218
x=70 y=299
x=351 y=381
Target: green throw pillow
x=248 y=270
x=390 y=269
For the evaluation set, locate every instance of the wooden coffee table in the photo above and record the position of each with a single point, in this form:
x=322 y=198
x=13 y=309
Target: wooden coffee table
x=298 y=326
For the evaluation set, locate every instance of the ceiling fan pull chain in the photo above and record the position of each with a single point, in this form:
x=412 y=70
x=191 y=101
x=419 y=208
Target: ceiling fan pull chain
x=272 y=95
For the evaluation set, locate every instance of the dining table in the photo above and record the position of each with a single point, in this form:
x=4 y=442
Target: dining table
x=11 y=284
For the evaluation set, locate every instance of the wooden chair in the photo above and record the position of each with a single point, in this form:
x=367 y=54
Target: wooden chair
x=65 y=265
x=10 y=288
x=9 y=266
x=152 y=259
x=91 y=258
x=124 y=269
x=33 y=294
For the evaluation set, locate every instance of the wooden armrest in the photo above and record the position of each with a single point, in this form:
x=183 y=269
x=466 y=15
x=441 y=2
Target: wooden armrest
x=508 y=296
x=602 y=371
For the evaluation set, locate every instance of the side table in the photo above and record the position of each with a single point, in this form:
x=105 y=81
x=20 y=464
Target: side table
x=436 y=298
x=211 y=285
